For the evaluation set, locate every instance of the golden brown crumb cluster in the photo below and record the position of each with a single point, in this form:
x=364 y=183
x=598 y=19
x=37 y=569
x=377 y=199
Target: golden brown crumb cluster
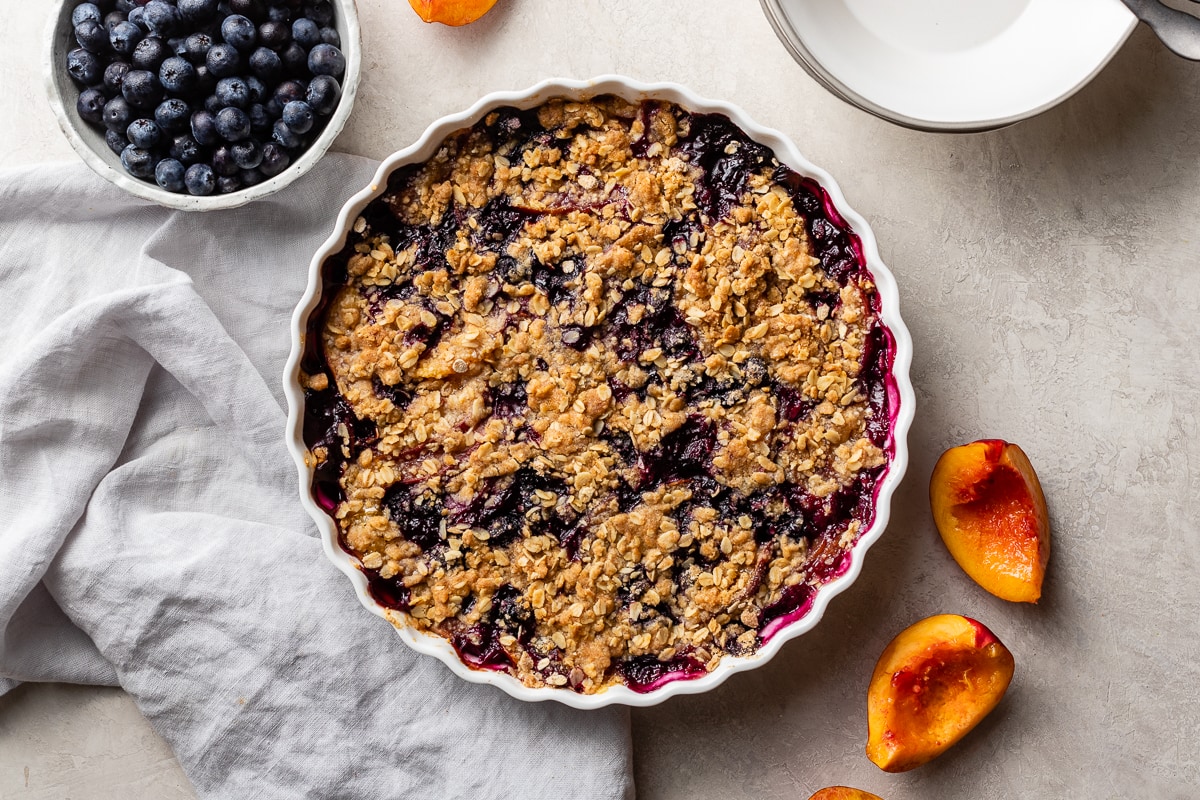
x=609 y=410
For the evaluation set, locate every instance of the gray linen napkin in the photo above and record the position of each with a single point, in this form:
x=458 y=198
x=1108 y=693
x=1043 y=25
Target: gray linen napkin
x=150 y=534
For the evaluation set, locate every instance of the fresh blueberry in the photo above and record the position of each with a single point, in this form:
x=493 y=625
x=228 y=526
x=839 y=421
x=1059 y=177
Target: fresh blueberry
x=143 y=133
x=258 y=89
x=274 y=34
x=223 y=60
x=295 y=60
x=325 y=59
x=260 y=120
x=168 y=173
x=288 y=91
x=114 y=76
x=141 y=88
x=274 y=109
x=320 y=12
x=176 y=43
x=90 y=106
x=306 y=33
x=199 y=179
x=197 y=11
x=124 y=5
x=196 y=47
x=213 y=104
x=137 y=162
x=137 y=16
x=85 y=11
x=186 y=149
x=84 y=68
x=116 y=141
x=239 y=31
x=177 y=75
x=285 y=136
x=251 y=177
x=280 y=13
x=223 y=163
x=124 y=36
x=298 y=115
x=112 y=19
x=204 y=128
x=150 y=53
x=162 y=18
x=247 y=154
x=323 y=94
x=228 y=185
x=233 y=92
x=92 y=36
x=173 y=115
x=247 y=8
x=266 y=64
x=274 y=160
x=117 y=114
x=205 y=81
x=331 y=36
x=232 y=124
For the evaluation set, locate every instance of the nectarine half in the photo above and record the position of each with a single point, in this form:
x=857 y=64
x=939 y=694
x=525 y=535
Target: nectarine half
x=844 y=793
x=931 y=686
x=989 y=508
x=451 y=12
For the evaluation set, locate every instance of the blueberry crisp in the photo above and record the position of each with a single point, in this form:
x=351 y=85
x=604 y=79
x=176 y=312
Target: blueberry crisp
x=599 y=393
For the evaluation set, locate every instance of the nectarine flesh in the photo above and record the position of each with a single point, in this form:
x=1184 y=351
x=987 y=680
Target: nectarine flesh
x=844 y=793
x=451 y=12
x=931 y=686
x=989 y=508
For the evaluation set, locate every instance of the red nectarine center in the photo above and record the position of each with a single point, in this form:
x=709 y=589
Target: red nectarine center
x=999 y=502
x=944 y=674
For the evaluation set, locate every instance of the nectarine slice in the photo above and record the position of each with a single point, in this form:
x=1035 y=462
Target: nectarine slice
x=844 y=793
x=931 y=686
x=451 y=12
x=989 y=508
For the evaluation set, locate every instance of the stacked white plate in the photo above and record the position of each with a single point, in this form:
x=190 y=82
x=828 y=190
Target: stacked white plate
x=952 y=65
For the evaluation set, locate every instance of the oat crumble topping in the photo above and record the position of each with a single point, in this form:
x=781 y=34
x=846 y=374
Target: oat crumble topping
x=598 y=393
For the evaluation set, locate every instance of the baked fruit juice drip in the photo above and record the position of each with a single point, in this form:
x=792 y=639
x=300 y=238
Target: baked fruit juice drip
x=599 y=393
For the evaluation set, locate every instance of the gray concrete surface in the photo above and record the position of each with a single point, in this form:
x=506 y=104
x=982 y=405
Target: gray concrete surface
x=1050 y=275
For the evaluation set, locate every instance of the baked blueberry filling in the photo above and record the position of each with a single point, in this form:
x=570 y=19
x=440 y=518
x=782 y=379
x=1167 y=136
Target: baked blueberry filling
x=599 y=393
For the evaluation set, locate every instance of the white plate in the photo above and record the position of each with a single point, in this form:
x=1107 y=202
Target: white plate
x=786 y=152
x=952 y=65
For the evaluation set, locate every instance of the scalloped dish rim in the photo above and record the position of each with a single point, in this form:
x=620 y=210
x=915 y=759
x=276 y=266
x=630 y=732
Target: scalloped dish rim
x=787 y=153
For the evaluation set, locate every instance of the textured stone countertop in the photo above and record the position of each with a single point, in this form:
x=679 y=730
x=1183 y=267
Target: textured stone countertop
x=1050 y=275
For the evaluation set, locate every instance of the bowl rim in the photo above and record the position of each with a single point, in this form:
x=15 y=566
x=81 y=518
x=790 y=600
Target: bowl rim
x=422 y=149
x=55 y=79
x=793 y=42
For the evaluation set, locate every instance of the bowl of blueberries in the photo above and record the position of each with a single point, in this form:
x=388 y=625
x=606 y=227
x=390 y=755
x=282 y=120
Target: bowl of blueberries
x=202 y=105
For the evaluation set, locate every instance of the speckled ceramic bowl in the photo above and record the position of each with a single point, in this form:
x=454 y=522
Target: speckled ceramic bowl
x=89 y=142
x=901 y=401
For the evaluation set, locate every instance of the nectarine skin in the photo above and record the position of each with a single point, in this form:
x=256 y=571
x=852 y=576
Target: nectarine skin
x=990 y=511
x=451 y=12
x=844 y=793
x=932 y=685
